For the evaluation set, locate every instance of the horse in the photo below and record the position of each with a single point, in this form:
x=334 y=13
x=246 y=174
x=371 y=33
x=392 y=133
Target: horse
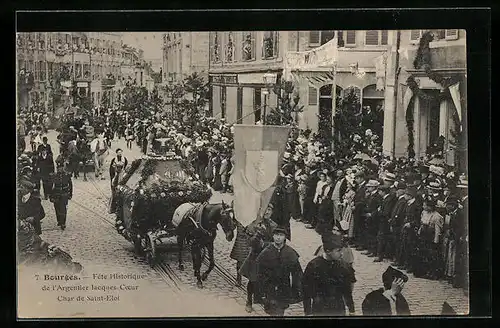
x=201 y=234
x=84 y=156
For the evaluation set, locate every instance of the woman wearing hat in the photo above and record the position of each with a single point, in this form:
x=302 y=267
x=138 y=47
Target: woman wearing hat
x=292 y=196
x=429 y=239
x=327 y=282
x=325 y=206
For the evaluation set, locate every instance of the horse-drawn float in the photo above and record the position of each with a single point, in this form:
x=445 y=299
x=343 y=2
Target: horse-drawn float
x=159 y=204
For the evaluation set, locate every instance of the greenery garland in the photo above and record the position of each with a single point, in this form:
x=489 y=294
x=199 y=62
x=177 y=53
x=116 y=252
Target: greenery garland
x=423 y=61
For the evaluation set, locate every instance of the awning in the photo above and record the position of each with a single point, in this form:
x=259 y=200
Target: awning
x=315 y=78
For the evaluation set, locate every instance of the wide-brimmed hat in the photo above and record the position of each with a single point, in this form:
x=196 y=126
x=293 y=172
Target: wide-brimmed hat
x=390 y=177
x=435 y=185
x=331 y=241
x=372 y=183
x=438 y=170
x=463 y=183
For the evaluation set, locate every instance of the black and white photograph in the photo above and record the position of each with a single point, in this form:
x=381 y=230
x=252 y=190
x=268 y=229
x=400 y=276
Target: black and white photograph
x=239 y=173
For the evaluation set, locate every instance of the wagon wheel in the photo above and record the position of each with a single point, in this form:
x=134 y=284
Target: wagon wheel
x=150 y=250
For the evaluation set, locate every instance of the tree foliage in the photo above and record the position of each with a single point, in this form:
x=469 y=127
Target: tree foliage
x=288 y=105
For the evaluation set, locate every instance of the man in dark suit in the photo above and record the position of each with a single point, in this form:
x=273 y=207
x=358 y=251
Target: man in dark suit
x=45 y=146
x=359 y=209
x=45 y=168
x=388 y=201
x=409 y=230
x=309 y=206
x=388 y=300
x=281 y=214
x=396 y=221
x=371 y=215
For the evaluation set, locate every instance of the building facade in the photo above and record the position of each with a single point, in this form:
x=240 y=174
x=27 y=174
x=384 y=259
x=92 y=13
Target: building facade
x=438 y=108
x=185 y=53
x=67 y=67
x=238 y=62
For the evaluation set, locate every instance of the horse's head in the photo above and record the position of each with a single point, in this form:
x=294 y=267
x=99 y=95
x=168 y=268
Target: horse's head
x=227 y=220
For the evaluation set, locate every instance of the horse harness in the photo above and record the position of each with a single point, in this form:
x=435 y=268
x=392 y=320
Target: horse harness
x=195 y=215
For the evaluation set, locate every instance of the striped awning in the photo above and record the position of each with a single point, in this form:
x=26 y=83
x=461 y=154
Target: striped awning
x=315 y=78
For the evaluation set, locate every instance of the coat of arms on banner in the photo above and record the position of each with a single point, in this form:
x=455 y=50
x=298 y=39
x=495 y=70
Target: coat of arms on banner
x=261 y=168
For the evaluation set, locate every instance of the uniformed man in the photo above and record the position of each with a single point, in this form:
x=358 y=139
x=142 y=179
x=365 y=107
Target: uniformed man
x=62 y=191
x=371 y=214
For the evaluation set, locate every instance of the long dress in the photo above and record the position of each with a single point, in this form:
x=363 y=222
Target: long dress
x=347 y=214
x=293 y=200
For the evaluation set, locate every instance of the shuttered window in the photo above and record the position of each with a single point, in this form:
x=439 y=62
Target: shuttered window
x=371 y=38
x=314 y=37
x=313 y=96
x=350 y=38
x=451 y=34
x=415 y=35
x=326 y=36
x=384 y=38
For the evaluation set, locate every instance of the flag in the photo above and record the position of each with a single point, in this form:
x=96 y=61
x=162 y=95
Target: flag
x=407 y=97
x=259 y=153
x=455 y=95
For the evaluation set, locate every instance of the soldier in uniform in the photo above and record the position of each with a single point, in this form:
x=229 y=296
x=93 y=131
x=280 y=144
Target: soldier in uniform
x=62 y=191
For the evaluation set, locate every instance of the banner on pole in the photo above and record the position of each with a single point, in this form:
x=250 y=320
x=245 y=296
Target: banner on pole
x=259 y=153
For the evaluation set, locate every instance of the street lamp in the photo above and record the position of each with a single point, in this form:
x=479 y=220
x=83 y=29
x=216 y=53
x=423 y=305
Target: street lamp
x=269 y=82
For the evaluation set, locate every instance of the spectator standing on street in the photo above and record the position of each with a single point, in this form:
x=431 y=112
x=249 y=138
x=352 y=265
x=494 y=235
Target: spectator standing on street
x=262 y=235
x=328 y=281
x=388 y=201
x=388 y=300
x=45 y=169
x=62 y=192
x=45 y=145
x=279 y=274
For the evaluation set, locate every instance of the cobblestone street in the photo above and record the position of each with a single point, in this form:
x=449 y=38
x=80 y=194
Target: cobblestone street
x=92 y=240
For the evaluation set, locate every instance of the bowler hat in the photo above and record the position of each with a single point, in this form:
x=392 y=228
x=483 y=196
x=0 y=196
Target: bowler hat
x=331 y=241
x=391 y=274
x=435 y=185
x=389 y=177
x=279 y=229
x=373 y=183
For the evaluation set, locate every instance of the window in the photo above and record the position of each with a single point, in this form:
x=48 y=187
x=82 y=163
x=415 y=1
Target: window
x=314 y=38
x=376 y=38
x=415 y=36
x=43 y=69
x=229 y=48
x=350 y=38
x=248 y=46
x=68 y=39
x=319 y=38
x=20 y=65
x=50 y=71
x=86 y=71
x=216 y=47
x=451 y=34
x=313 y=96
x=37 y=70
x=270 y=45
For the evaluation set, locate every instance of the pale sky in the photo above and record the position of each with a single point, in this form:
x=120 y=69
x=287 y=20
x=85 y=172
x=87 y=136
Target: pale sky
x=150 y=42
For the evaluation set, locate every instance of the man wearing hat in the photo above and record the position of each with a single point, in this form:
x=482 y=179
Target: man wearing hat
x=279 y=274
x=282 y=211
x=309 y=210
x=396 y=221
x=327 y=282
x=388 y=300
x=371 y=215
x=408 y=242
x=389 y=200
x=359 y=209
x=62 y=191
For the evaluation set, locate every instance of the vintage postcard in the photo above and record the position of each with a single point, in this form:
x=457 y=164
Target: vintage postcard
x=242 y=173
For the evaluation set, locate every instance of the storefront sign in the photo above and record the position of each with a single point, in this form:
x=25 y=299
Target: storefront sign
x=225 y=79
x=82 y=84
x=251 y=78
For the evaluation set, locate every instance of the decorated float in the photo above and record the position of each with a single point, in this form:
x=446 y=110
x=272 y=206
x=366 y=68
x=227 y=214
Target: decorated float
x=146 y=197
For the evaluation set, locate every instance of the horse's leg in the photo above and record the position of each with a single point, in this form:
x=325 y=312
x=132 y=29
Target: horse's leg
x=180 y=245
x=210 y=250
x=196 y=255
x=238 y=275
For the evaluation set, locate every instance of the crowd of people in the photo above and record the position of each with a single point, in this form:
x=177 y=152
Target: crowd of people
x=410 y=212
